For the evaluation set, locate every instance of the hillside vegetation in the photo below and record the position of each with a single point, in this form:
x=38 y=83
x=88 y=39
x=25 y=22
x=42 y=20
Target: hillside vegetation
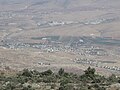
x=48 y=80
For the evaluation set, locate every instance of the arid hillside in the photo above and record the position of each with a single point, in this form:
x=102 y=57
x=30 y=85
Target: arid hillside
x=72 y=34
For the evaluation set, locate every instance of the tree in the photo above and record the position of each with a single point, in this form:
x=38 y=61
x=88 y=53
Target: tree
x=90 y=71
x=26 y=73
x=89 y=75
x=47 y=73
x=61 y=72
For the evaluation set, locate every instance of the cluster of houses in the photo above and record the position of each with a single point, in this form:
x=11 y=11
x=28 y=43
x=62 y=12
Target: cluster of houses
x=94 y=51
x=95 y=63
x=74 y=45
